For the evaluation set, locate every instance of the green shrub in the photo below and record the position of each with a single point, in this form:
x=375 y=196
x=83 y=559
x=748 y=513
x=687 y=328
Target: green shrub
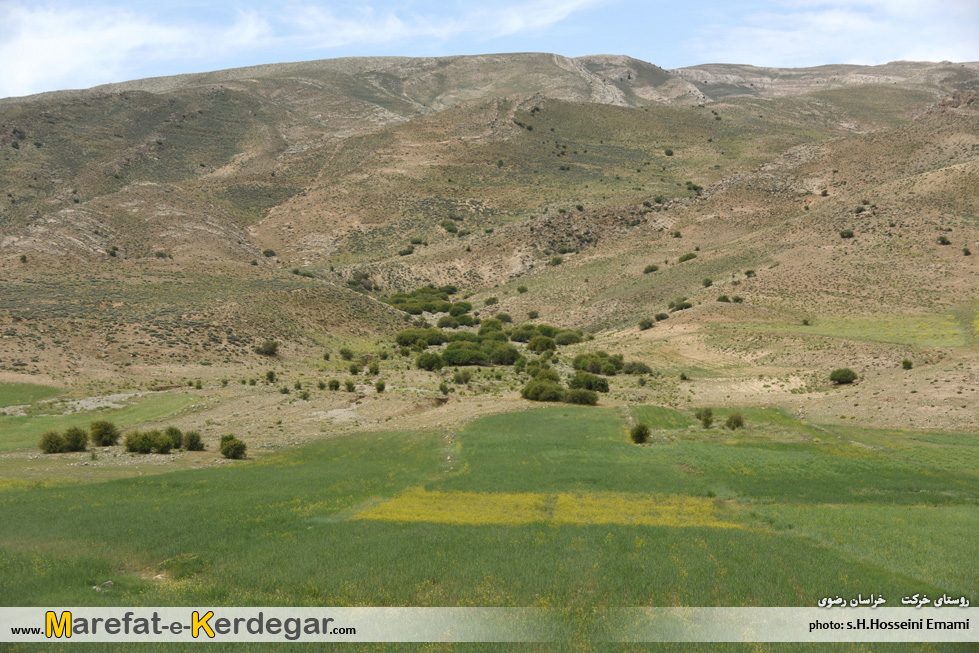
x=650 y=268
x=139 y=442
x=409 y=337
x=659 y=317
x=637 y=367
x=268 y=253
x=103 y=433
x=639 y=433
x=541 y=343
x=843 y=376
x=966 y=251
x=521 y=289
x=943 y=240
x=846 y=233
x=506 y=318
x=465 y=356
x=582 y=397
x=347 y=354
x=192 y=441
x=374 y=369
x=462 y=377
x=907 y=364
x=379 y=386
x=538 y=390
x=587 y=381
x=490 y=301
x=724 y=298
x=686 y=257
x=270 y=376
x=334 y=385
x=76 y=439
x=735 y=421
x=268 y=348
x=444 y=388
x=354 y=368
x=176 y=436
x=532 y=315
x=430 y=362
x=321 y=385
x=706 y=417
x=548 y=330
x=161 y=441
x=504 y=354
x=232 y=447
x=545 y=374
x=555 y=261
x=668 y=152
x=567 y=338
x=645 y=323
x=52 y=442
x=350 y=386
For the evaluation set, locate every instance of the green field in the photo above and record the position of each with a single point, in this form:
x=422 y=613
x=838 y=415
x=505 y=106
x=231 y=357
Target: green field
x=18 y=394
x=917 y=330
x=551 y=508
x=18 y=432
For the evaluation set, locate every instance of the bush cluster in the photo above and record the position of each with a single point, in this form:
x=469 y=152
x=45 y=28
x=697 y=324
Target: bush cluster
x=101 y=433
x=232 y=447
x=427 y=299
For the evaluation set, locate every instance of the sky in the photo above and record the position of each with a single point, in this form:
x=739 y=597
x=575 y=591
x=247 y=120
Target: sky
x=48 y=45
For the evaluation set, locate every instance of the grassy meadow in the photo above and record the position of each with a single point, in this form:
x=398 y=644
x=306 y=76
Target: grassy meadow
x=552 y=507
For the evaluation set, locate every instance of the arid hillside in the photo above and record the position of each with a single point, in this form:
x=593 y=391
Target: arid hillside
x=151 y=227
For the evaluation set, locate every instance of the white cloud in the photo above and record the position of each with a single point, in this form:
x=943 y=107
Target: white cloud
x=47 y=48
x=794 y=33
x=52 y=46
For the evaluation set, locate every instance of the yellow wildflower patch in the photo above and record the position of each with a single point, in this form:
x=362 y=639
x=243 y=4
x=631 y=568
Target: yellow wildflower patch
x=514 y=508
x=460 y=508
x=637 y=510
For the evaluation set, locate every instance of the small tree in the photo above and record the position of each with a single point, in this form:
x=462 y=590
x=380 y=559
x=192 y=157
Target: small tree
x=232 y=447
x=176 y=436
x=52 y=442
x=706 y=417
x=162 y=442
x=139 y=442
x=76 y=439
x=843 y=376
x=103 y=433
x=374 y=369
x=735 y=421
x=639 y=433
x=192 y=441
x=582 y=397
x=268 y=348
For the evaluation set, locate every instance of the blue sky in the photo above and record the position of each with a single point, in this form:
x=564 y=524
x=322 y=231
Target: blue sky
x=49 y=45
